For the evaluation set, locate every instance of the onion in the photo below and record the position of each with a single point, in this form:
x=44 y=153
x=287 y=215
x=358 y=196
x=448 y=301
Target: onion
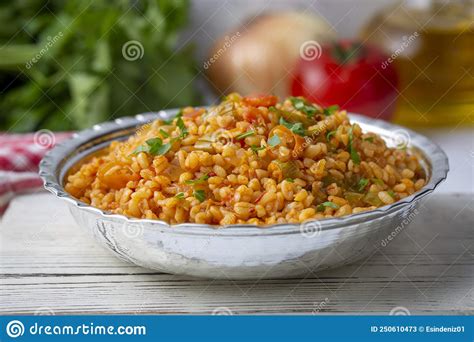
x=257 y=58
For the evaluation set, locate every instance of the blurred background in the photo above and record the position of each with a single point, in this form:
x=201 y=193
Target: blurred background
x=66 y=66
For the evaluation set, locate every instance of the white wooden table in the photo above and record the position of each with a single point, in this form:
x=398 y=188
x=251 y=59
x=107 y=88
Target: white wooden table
x=50 y=265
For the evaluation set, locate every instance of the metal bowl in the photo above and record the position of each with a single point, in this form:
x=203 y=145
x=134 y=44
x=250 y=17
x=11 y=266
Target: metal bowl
x=238 y=251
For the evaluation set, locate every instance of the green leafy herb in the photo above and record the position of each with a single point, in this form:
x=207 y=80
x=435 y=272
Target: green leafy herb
x=200 y=195
x=199 y=180
x=391 y=193
x=164 y=134
x=178 y=115
x=330 y=135
x=327 y=204
x=157 y=148
x=303 y=106
x=141 y=148
x=296 y=127
x=77 y=75
x=180 y=195
x=272 y=109
x=245 y=135
x=291 y=180
x=362 y=184
x=153 y=146
x=330 y=110
x=274 y=140
x=182 y=128
x=256 y=148
x=378 y=181
x=354 y=154
x=369 y=139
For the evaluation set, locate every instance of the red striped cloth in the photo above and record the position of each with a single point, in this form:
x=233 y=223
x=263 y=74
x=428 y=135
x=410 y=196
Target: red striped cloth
x=20 y=155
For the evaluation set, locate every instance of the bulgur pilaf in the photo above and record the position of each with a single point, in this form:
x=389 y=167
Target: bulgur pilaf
x=248 y=160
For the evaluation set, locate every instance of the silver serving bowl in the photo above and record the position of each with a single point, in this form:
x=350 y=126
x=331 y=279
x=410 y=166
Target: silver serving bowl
x=238 y=251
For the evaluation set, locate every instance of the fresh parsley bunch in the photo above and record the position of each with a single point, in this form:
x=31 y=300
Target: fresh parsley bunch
x=62 y=63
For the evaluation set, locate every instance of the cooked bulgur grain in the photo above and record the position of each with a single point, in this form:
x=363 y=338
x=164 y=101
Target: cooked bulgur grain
x=248 y=160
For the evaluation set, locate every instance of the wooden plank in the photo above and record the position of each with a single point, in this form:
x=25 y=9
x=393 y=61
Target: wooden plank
x=49 y=264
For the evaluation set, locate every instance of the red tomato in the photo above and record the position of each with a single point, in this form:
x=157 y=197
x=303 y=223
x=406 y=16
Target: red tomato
x=354 y=76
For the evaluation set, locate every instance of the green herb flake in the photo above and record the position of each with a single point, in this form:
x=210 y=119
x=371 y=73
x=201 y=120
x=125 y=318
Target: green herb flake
x=170 y=121
x=154 y=141
x=274 y=140
x=245 y=135
x=296 y=127
x=153 y=146
x=199 y=180
x=156 y=147
x=378 y=181
x=391 y=193
x=330 y=135
x=353 y=152
x=327 y=205
x=162 y=150
x=369 y=139
x=256 y=148
x=180 y=195
x=164 y=134
x=362 y=184
x=200 y=195
x=291 y=180
x=303 y=106
x=272 y=109
x=182 y=128
x=330 y=110
x=141 y=148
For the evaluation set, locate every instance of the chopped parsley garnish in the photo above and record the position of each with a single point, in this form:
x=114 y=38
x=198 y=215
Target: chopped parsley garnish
x=200 y=195
x=182 y=128
x=391 y=193
x=330 y=135
x=362 y=184
x=330 y=110
x=245 y=135
x=256 y=148
x=303 y=106
x=354 y=154
x=141 y=148
x=296 y=127
x=378 y=181
x=199 y=180
x=369 y=139
x=274 y=140
x=327 y=204
x=272 y=109
x=164 y=134
x=154 y=146
x=291 y=180
x=180 y=195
